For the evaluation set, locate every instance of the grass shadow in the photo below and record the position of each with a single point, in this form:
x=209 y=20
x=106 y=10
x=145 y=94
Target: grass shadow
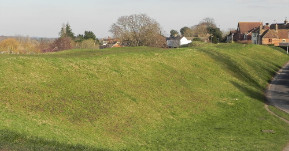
x=10 y=140
x=250 y=86
x=232 y=66
x=250 y=92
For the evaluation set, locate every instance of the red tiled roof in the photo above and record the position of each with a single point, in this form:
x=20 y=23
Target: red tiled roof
x=270 y=34
x=280 y=34
x=283 y=33
x=244 y=27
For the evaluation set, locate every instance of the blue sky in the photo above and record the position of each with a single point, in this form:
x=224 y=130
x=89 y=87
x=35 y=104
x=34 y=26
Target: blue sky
x=44 y=18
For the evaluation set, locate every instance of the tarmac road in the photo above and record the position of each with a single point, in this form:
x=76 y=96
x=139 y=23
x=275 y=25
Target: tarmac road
x=278 y=90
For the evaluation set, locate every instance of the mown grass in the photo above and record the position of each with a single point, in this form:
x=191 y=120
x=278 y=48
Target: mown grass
x=209 y=97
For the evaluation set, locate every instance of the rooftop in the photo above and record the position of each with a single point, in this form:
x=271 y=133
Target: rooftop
x=245 y=27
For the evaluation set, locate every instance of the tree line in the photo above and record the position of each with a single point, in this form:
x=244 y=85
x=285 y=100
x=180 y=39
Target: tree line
x=132 y=30
x=206 y=30
x=24 y=45
x=66 y=40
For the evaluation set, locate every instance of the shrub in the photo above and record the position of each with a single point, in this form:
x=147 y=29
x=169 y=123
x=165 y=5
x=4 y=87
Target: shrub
x=87 y=44
x=44 y=45
x=9 y=45
x=197 y=39
x=62 y=43
x=28 y=45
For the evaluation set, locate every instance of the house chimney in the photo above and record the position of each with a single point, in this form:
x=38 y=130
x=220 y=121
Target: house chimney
x=276 y=27
x=267 y=26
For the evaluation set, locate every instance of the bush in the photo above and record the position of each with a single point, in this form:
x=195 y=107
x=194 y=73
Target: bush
x=62 y=43
x=197 y=39
x=9 y=45
x=87 y=44
x=28 y=45
x=156 y=40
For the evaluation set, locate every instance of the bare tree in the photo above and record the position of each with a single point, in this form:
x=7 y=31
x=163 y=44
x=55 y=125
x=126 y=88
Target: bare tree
x=137 y=30
x=62 y=43
x=201 y=30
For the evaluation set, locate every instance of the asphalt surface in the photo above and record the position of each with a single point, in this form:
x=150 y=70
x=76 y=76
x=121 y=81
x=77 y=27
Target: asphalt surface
x=278 y=90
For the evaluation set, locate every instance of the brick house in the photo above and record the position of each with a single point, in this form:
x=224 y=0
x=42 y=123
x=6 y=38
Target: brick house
x=275 y=37
x=257 y=32
x=243 y=32
x=274 y=34
x=230 y=37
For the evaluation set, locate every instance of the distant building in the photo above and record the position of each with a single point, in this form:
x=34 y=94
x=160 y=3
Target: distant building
x=175 y=42
x=284 y=25
x=110 y=43
x=243 y=32
x=230 y=37
x=276 y=34
x=257 y=32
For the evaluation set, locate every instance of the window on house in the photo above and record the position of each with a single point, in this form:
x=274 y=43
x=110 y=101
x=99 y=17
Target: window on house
x=270 y=40
x=284 y=40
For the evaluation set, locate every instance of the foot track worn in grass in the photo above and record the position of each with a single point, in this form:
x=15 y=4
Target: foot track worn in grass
x=278 y=95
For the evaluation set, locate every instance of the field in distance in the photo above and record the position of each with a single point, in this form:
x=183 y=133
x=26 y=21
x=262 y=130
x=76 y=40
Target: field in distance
x=208 y=97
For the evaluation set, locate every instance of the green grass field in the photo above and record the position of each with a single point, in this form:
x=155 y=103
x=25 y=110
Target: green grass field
x=209 y=97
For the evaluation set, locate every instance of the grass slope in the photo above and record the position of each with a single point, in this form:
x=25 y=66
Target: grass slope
x=202 y=98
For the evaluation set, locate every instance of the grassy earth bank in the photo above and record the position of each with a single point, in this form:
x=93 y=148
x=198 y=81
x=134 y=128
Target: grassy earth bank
x=200 y=98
